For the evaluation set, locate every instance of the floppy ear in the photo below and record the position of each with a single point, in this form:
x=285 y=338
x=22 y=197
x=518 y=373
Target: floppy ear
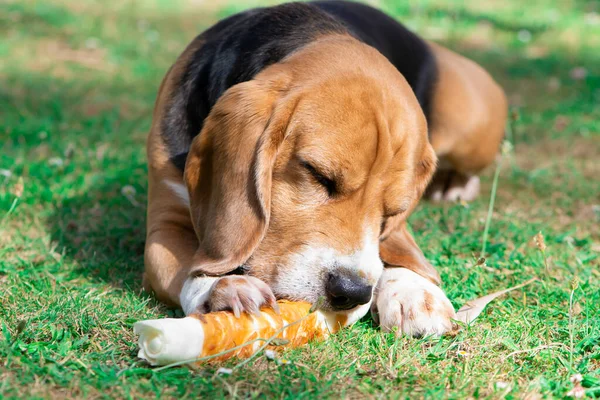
x=425 y=169
x=228 y=173
x=397 y=247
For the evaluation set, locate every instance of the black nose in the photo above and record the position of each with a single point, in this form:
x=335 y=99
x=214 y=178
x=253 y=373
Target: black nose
x=347 y=291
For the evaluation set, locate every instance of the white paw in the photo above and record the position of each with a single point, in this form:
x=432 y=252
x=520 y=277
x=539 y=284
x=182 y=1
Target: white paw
x=233 y=293
x=241 y=294
x=453 y=186
x=412 y=304
x=466 y=190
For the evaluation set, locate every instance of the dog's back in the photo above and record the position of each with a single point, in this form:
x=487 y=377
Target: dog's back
x=237 y=48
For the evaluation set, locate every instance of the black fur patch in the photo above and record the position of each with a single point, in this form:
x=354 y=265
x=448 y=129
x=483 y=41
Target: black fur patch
x=405 y=50
x=237 y=48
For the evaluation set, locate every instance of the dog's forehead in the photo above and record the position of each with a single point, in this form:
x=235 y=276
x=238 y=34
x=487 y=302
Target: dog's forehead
x=343 y=116
x=337 y=140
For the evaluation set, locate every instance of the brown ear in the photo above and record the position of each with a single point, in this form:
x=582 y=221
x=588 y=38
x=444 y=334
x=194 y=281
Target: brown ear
x=425 y=169
x=228 y=173
x=399 y=249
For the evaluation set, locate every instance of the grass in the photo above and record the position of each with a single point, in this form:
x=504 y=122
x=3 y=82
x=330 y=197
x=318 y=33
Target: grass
x=77 y=86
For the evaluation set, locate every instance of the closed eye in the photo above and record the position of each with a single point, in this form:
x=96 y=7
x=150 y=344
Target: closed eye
x=389 y=213
x=329 y=184
x=382 y=227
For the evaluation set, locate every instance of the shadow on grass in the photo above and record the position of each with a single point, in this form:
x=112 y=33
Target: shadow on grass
x=104 y=233
x=99 y=229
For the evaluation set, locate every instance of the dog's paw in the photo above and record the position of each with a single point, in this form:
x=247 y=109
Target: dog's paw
x=453 y=186
x=231 y=293
x=411 y=304
x=241 y=294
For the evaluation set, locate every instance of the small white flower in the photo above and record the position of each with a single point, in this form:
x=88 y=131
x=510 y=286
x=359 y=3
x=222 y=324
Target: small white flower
x=502 y=385
x=524 y=36
x=507 y=148
x=270 y=354
x=101 y=151
x=5 y=173
x=56 y=162
x=577 y=378
x=224 y=371
x=578 y=73
x=128 y=191
x=578 y=392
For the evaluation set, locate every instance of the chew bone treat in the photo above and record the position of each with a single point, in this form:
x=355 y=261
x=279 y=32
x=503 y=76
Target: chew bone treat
x=169 y=340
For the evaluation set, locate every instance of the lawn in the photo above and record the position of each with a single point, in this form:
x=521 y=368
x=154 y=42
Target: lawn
x=78 y=80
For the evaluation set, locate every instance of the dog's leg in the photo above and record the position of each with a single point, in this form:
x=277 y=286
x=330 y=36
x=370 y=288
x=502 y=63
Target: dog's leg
x=469 y=113
x=170 y=240
x=452 y=185
x=170 y=247
x=411 y=304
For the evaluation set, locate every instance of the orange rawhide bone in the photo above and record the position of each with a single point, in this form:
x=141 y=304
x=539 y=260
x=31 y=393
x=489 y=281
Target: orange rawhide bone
x=169 y=340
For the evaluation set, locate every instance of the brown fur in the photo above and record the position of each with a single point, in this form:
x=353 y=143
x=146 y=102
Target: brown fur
x=468 y=114
x=428 y=300
x=170 y=238
x=252 y=200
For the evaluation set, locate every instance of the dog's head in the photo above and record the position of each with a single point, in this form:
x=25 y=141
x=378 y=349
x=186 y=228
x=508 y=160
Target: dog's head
x=306 y=174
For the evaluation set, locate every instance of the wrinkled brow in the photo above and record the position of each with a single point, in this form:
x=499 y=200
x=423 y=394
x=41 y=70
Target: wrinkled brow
x=347 y=177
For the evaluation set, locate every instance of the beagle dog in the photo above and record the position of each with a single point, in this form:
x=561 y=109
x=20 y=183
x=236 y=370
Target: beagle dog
x=289 y=145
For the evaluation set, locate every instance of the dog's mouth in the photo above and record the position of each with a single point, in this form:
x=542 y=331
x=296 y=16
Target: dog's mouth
x=342 y=318
x=335 y=318
x=322 y=303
